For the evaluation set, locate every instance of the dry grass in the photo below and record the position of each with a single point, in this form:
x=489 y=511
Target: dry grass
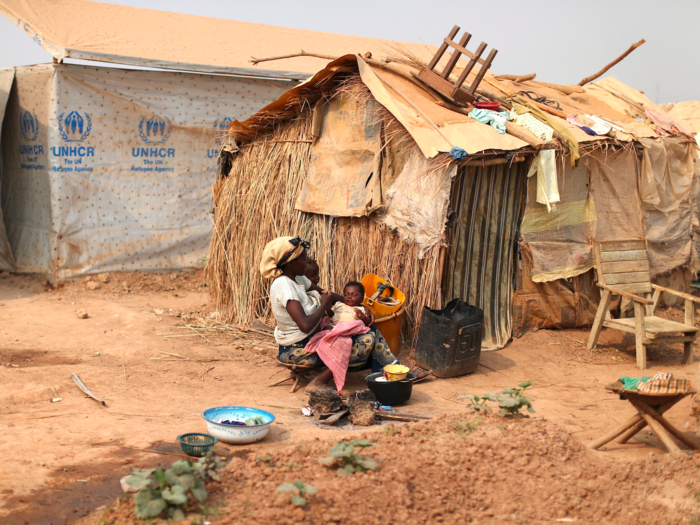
x=255 y=204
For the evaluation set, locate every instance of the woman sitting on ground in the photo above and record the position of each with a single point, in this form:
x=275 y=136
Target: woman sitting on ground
x=298 y=307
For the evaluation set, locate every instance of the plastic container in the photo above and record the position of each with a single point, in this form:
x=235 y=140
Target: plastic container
x=387 y=318
x=449 y=340
x=196 y=444
x=237 y=434
x=493 y=106
x=390 y=392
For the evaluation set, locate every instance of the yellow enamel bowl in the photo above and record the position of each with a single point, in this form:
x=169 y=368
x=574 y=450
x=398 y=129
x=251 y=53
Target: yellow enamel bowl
x=395 y=372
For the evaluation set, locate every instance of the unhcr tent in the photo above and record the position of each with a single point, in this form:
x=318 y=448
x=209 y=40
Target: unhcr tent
x=364 y=161
x=107 y=169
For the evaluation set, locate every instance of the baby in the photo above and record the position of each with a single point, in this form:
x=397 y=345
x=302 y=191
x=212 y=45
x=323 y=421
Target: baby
x=312 y=271
x=351 y=308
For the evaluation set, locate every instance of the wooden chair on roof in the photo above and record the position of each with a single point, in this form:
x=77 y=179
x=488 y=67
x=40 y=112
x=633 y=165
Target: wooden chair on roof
x=623 y=269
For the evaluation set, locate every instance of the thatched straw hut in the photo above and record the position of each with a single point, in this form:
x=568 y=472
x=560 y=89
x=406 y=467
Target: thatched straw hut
x=357 y=160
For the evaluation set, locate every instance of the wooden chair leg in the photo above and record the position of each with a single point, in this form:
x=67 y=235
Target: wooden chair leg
x=690 y=321
x=688 y=351
x=639 y=334
x=295 y=385
x=603 y=307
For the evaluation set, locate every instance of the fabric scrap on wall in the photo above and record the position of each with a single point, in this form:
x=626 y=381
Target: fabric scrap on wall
x=417 y=201
x=545 y=167
x=497 y=119
x=667 y=172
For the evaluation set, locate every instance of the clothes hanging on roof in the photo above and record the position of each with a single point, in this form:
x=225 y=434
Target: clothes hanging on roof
x=586 y=124
x=537 y=127
x=545 y=167
x=669 y=125
x=522 y=106
x=497 y=119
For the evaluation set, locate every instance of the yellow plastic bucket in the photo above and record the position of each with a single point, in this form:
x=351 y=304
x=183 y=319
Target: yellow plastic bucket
x=387 y=318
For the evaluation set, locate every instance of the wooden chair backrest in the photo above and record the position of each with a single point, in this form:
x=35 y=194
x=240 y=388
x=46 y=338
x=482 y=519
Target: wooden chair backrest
x=624 y=265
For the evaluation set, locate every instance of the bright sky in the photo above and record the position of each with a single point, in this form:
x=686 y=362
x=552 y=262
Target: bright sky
x=562 y=41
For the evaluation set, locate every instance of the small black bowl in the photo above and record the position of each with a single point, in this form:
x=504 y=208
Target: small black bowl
x=390 y=392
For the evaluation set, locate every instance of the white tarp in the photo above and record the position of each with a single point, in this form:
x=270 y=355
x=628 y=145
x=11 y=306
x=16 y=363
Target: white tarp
x=111 y=170
x=6 y=260
x=150 y=38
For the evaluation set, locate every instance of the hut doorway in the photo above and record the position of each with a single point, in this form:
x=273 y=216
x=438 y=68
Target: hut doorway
x=480 y=262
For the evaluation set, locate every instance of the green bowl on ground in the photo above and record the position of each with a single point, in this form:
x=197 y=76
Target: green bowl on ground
x=197 y=444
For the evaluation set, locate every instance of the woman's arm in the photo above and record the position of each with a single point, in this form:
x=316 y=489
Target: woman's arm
x=336 y=297
x=307 y=323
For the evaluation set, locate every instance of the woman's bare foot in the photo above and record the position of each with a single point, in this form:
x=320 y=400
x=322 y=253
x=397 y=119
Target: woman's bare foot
x=320 y=381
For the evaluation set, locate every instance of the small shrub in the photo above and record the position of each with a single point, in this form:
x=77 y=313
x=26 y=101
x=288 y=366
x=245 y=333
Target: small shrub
x=172 y=491
x=302 y=490
x=510 y=401
x=343 y=456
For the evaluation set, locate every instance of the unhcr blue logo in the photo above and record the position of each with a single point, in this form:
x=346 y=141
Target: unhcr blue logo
x=29 y=125
x=221 y=128
x=155 y=129
x=74 y=127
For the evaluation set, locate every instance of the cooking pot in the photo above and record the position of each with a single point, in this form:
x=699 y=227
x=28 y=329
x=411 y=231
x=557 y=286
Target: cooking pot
x=390 y=392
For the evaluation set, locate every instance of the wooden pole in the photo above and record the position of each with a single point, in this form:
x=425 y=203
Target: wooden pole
x=607 y=438
x=566 y=89
x=517 y=78
x=611 y=64
x=656 y=426
x=668 y=426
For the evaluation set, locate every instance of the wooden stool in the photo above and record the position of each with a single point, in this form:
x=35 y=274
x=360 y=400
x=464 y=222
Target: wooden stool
x=296 y=373
x=650 y=410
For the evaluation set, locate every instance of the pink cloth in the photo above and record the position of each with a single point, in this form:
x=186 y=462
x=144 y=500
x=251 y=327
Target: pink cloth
x=335 y=346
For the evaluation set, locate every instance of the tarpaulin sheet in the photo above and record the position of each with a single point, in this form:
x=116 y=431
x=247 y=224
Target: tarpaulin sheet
x=150 y=38
x=343 y=178
x=461 y=130
x=563 y=303
x=417 y=201
x=111 y=170
x=560 y=240
x=599 y=202
x=480 y=262
x=7 y=262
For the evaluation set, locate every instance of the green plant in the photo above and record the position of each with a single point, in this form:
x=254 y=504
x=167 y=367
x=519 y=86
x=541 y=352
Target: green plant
x=510 y=400
x=265 y=459
x=343 y=456
x=390 y=431
x=174 y=490
x=467 y=428
x=301 y=489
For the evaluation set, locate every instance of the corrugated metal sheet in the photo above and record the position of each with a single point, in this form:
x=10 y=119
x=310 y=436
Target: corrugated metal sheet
x=480 y=264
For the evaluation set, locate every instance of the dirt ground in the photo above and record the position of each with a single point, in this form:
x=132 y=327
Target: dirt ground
x=63 y=460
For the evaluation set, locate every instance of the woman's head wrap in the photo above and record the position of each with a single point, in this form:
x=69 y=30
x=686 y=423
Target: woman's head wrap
x=279 y=252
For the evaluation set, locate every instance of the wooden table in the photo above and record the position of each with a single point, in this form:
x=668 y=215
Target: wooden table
x=650 y=410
